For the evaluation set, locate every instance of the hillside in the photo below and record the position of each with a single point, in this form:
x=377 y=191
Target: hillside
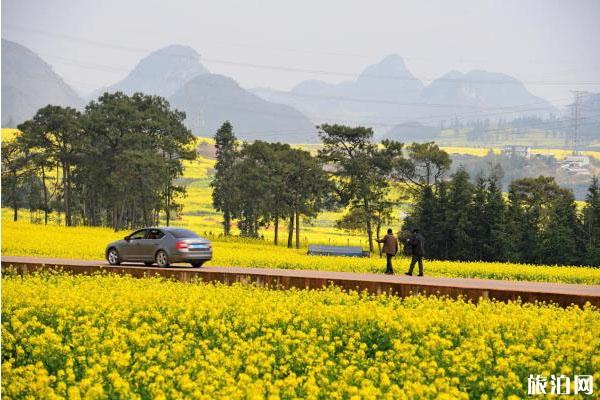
x=162 y=73
x=481 y=94
x=29 y=83
x=208 y=100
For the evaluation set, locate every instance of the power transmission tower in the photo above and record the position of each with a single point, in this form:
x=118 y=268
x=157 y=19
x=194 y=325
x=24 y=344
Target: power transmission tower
x=577 y=94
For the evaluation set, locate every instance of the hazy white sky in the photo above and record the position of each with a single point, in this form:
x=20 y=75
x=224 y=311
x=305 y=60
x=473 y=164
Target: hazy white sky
x=554 y=46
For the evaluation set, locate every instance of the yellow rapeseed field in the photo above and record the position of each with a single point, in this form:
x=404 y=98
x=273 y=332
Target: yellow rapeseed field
x=102 y=336
x=88 y=243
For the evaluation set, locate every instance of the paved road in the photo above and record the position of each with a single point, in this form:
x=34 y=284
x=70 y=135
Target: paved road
x=561 y=293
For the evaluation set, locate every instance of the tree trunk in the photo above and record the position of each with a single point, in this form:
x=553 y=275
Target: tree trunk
x=45 y=195
x=291 y=230
x=67 y=190
x=276 y=228
x=297 y=230
x=226 y=222
x=369 y=227
x=14 y=198
x=168 y=206
x=378 y=231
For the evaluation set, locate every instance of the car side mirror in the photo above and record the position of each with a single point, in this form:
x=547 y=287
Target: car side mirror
x=127 y=238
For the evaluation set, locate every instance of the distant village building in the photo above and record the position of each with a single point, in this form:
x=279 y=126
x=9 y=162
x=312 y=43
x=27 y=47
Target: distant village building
x=577 y=161
x=512 y=151
x=576 y=165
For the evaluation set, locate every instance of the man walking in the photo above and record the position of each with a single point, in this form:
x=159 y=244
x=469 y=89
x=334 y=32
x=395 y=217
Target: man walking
x=417 y=244
x=390 y=248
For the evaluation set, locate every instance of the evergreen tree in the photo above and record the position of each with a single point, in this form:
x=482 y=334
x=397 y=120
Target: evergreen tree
x=442 y=229
x=561 y=238
x=224 y=188
x=495 y=245
x=528 y=215
x=460 y=200
x=591 y=223
x=480 y=226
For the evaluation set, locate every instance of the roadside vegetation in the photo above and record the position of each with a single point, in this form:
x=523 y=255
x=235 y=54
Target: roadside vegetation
x=88 y=243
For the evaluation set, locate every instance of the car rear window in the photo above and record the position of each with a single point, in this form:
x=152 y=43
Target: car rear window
x=183 y=233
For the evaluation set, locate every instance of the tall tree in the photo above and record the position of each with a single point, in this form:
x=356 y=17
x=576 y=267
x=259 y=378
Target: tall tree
x=306 y=186
x=425 y=165
x=223 y=184
x=528 y=213
x=591 y=222
x=57 y=130
x=132 y=141
x=361 y=170
x=252 y=175
x=561 y=238
x=495 y=218
x=460 y=199
x=14 y=163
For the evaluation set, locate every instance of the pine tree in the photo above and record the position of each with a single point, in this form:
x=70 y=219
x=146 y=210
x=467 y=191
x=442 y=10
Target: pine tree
x=442 y=226
x=423 y=217
x=480 y=226
x=560 y=240
x=591 y=223
x=459 y=204
x=495 y=246
x=223 y=184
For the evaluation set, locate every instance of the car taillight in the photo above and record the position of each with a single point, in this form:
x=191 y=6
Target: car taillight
x=181 y=245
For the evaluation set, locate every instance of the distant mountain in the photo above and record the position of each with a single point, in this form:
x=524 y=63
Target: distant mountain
x=28 y=84
x=208 y=100
x=412 y=132
x=386 y=95
x=162 y=73
x=479 y=95
x=382 y=94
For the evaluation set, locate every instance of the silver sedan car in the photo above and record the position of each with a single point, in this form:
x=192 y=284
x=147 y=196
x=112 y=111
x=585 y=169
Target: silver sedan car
x=162 y=246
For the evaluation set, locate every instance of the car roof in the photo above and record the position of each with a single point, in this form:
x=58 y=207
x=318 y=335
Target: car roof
x=166 y=228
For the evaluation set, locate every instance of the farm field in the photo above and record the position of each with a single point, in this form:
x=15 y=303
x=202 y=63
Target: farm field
x=107 y=336
x=88 y=243
x=25 y=238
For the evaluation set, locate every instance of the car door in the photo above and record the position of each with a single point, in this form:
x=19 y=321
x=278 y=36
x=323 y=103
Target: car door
x=132 y=249
x=150 y=244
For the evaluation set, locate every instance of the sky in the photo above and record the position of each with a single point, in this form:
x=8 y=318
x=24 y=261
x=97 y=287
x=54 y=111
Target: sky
x=552 y=46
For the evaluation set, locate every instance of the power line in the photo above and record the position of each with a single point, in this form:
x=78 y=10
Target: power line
x=509 y=81
x=498 y=111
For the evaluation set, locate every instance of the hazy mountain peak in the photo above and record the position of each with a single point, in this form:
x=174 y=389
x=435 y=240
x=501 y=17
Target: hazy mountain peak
x=29 y=83
x=454 y=74
x=162 y=72
x=483 y=89
x=390 y=66
x=209 y=99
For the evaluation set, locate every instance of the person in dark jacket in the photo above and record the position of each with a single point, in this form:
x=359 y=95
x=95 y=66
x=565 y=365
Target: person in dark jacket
x=417 y=244
x=390 y=248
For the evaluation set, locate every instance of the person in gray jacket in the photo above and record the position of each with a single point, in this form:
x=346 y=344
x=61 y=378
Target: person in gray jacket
x=417 y=244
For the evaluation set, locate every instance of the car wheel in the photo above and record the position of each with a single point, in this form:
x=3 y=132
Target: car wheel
x=162 y=259
x=113 y=257
x=148 y=263
x=197 y=264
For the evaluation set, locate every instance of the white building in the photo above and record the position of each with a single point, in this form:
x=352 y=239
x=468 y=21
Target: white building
x=516 y=151
x=577 y=161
